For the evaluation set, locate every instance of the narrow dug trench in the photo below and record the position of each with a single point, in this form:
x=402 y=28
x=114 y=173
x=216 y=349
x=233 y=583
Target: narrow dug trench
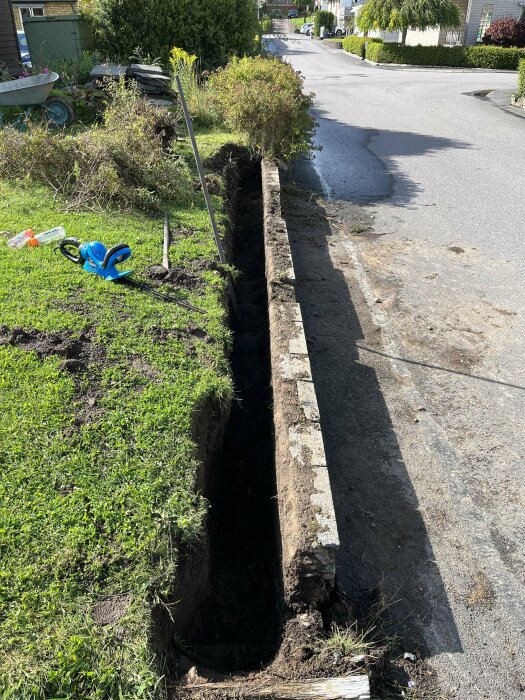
x=238 y=623
x=242 y=640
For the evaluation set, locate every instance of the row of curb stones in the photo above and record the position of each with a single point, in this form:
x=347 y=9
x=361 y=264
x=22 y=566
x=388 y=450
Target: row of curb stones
x=308 y=528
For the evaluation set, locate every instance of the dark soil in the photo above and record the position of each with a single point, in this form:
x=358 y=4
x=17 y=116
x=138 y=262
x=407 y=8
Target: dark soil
x=82 y=359
x=384 y=543
x=239 y=624
x=78 y=352
x=227 y=156
x=243 y=638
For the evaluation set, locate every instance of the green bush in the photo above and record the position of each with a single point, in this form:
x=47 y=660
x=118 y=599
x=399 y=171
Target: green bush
x=356 y=44
x=494 y=57
x=454 y=56
x=323 y=18
x=262 y=98
x=213 y=31
x=521 y=79
x=266 y=25
x=123 y=162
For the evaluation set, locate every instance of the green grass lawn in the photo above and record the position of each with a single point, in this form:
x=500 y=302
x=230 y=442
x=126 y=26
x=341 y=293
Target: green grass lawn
x=97 y=464
x=299 y=21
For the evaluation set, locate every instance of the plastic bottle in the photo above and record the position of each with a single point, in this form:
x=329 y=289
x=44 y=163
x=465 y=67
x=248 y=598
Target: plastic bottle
x=53 y=234
x=21 y=238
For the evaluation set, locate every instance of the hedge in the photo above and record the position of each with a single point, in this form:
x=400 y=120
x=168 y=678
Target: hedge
x=521 y=79
x=152 y=28
x=323 y=18
x=493 y=57
x=356 y=44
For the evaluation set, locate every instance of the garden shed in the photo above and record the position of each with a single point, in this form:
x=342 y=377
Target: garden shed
x=9 y=51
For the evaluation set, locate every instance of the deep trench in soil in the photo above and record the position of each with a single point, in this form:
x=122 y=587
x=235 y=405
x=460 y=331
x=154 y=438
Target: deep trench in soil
x=239 y=622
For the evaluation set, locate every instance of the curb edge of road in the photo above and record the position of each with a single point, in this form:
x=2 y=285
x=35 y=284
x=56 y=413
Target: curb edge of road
x=307 y=522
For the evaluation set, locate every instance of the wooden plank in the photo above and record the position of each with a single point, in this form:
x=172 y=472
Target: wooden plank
x=346 y=688
x=350 y=688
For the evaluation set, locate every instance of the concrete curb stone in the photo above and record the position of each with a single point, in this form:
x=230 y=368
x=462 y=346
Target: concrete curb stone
x=308 y=528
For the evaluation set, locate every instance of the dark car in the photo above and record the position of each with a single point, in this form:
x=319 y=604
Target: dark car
x=24 y=51
x=293 y=14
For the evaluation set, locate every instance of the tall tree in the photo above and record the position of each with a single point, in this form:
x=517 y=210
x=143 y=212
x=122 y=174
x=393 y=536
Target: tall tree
x=407 y=14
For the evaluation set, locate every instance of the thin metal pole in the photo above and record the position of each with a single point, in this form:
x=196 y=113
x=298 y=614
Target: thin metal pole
x=204 y=185
x=166 y=246
x=198 y=162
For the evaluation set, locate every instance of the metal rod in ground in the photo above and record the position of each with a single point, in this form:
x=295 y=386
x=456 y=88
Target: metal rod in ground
x=204 y=185
x=166 y=247
x=198 y=162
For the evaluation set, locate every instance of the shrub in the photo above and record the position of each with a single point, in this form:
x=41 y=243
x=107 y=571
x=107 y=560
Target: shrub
x=356 y=44
x=495 y=57
x=492 y=57
x=157 y=25
x=266 y=25
x=323 y=18
x=506 y=32
x=123 y=162
x=521 y=79
x=262 y=98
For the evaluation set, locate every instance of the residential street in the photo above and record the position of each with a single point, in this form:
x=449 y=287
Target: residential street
x=410 y=270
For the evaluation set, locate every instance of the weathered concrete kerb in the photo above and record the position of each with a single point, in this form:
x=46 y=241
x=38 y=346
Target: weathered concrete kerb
x=307 y=523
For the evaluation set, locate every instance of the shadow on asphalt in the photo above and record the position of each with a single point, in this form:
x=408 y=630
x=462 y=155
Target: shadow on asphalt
x=385 y=553
x=366 y=168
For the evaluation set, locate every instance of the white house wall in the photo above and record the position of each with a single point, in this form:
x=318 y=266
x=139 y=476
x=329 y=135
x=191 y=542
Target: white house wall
x=429 y=37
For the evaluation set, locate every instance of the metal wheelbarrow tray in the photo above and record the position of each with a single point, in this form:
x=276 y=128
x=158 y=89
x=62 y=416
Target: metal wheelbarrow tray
x=27 y=91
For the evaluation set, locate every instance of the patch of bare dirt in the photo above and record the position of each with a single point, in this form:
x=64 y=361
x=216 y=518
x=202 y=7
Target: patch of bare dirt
x=82 y=359
x=78 y=352
x=110 y=610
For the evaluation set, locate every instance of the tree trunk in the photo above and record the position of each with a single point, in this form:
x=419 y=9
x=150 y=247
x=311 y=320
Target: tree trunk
x=404 y=36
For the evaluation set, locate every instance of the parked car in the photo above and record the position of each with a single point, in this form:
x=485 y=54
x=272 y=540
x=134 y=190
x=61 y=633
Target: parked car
x=307 y=28
x=277 y=14
x=24 y=51
x=293 y=14
x=339 y=31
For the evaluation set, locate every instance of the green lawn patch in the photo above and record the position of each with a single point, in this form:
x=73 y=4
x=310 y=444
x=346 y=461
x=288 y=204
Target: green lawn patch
x=98 y=386
x=299 y=21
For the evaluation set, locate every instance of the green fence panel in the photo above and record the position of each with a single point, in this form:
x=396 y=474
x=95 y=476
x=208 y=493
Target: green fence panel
x=51 y=39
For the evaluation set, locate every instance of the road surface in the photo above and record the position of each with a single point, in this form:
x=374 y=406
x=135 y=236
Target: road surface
x=413 y=294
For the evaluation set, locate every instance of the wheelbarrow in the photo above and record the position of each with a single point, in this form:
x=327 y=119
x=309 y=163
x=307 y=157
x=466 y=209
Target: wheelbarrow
x=33 y=93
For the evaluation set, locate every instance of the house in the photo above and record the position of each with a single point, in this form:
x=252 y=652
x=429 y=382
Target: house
x=41 y=8
x=342 y=11
x=9 y=50
x=475 y=15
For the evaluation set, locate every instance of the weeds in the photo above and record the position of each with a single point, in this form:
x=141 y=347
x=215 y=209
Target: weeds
x=350 y=641
x=128 y=161
x=194 y=86
x=75 y=71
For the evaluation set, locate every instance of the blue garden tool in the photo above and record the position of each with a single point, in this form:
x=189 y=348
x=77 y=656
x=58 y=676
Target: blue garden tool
x=96 y=258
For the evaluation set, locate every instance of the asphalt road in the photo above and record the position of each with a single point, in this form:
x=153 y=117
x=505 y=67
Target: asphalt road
x=440 y=176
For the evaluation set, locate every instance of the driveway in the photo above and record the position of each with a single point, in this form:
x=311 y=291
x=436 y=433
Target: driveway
x=410 y=268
